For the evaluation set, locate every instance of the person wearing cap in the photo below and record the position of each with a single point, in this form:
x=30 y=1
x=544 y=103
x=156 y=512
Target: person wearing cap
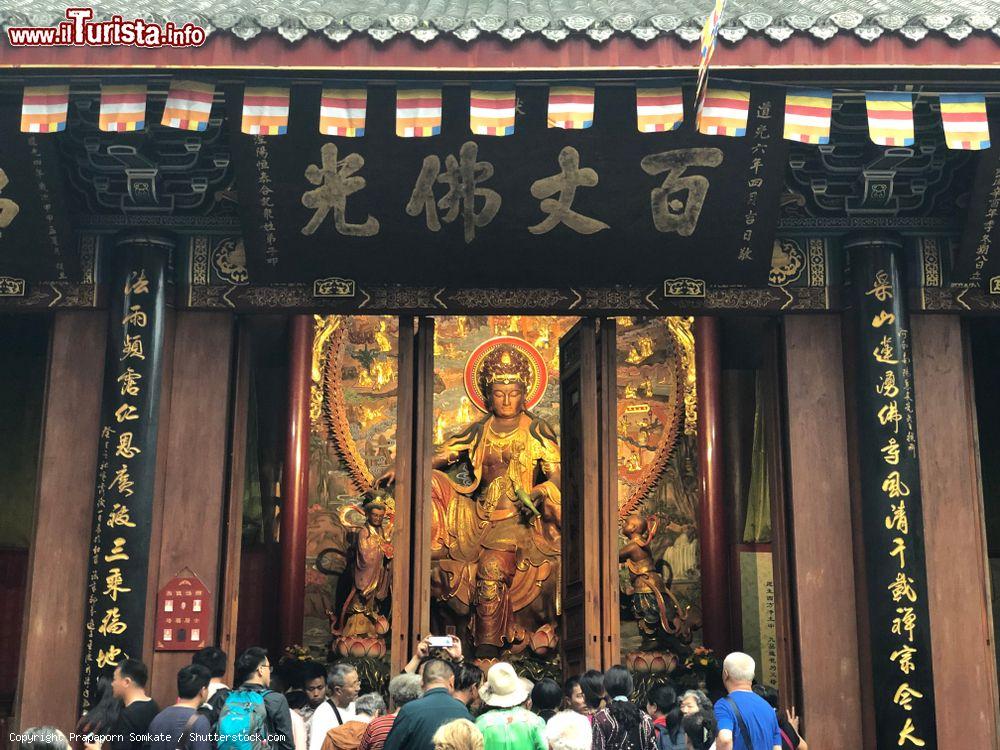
x=509 y=725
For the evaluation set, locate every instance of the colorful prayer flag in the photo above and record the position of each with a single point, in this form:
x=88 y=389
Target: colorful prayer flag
x=808 y=115
x=725 y=112
x=659 y=109
x=709 y=39
x=418 y=112
x=890 y=118
x=964 y=120
x=44 y=108
x=123 y=107
x=265 y=110
x=189 y=105
x=342 y=112
x=492 y=110
x=571 y=107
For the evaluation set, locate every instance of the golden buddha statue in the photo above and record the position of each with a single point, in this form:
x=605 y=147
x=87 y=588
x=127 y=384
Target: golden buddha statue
x=495 y=529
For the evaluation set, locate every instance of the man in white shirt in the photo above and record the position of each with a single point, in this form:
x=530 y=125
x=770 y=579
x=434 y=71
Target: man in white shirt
x=214 y=659
x=343 y=686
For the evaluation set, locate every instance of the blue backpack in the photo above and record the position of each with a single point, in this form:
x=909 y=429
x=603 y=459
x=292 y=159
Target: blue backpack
x=243 y=721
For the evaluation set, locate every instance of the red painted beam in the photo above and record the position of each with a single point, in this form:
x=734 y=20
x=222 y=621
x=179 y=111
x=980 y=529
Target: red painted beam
x=361 y=52
x=295 y=485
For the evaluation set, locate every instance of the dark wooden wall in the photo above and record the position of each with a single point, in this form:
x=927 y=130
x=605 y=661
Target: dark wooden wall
x=48 y=685
x=193 y=453
x=823 y=548
x=965 y=680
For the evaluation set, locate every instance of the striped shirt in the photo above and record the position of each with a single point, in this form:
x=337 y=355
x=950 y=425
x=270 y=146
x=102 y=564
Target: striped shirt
x=377 y=731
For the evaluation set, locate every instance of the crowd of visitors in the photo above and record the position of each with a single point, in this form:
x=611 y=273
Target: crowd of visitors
x=440 y=702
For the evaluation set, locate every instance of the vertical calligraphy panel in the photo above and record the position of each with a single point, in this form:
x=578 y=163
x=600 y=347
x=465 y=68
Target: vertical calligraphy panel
x=123 y=502
x=892 y=513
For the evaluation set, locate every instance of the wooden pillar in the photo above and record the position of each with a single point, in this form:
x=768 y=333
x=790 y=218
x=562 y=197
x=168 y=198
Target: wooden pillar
x=958 y=585
x=608 y=509
x=423 y=450
x=295 y=484
x=194 y=474
x=48 y=688
x=889 y=490
x=121 y=537
x=712 y=520
x=821 y=533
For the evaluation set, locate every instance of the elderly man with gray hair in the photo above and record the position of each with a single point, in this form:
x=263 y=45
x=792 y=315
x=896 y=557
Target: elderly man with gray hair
x=568 y=730
x=343 y=686
x=746 y=721
x=403 y=688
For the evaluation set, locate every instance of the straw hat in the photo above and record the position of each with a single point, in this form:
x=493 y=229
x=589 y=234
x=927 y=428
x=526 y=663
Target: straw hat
x=504 y=688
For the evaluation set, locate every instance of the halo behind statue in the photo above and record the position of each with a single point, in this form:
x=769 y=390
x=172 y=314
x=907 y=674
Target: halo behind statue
x=529 y=361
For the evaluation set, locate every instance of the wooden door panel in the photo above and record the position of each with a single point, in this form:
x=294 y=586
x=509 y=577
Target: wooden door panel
x=579 y=418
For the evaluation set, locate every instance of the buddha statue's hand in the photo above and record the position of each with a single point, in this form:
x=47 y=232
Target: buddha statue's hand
x=528 y=508
x=386 y=479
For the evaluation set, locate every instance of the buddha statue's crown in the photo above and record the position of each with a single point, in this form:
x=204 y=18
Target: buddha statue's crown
x=504 y=372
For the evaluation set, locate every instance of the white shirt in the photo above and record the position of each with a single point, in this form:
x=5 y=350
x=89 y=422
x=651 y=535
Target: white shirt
x=323 y=720
x=214 y=687
x=299 y=736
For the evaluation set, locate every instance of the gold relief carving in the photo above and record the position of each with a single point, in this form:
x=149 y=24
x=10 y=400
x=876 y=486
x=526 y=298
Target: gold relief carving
x=199 y=261
x=11 y=287
x=817 y=262
x=808 y=298
x=402 y=298
x=329 y=347
x=683 y=397
x=274 y=296
x=938 y=298
x=612 y=298
x=229 y=259
x=508 y=298
x=995 y=285
x=930 y=262
x=787 y=262
x=742 y=299
x=683 y=287
x=88 y=257
x=683 y=332
x=334 y=287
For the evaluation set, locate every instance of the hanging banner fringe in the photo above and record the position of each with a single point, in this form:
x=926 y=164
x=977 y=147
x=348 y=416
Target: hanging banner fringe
x=725 y=112
x=890 y=118
x=44 y=109
x=343 y=111
x=189 y=105
x=571 y=107
x=659 y=109
x=265 y=110
x=123 y=108
x=418 y=111
x=808 y=115
x=492 y=110
x=964 y=119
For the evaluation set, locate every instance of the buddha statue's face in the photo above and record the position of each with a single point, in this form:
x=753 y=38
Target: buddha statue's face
x=506 y=400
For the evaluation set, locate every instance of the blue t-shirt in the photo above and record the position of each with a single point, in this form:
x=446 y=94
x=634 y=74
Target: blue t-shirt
x=758 y=715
